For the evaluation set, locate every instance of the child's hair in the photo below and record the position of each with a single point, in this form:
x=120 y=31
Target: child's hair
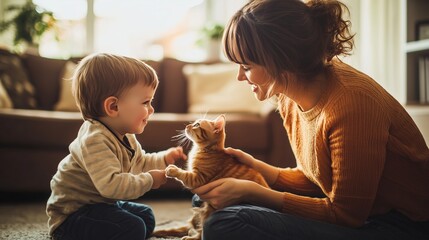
x=101 y=75
x=288 y=35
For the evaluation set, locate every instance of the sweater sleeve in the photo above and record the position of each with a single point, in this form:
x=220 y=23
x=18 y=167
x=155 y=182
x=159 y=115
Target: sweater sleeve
x=292 y=180
x=97 y=154
x=147 y=161
x=154 y=161
x=355 y=135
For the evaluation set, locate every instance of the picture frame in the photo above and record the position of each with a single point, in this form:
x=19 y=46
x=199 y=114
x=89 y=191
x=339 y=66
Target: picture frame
x=422 y=30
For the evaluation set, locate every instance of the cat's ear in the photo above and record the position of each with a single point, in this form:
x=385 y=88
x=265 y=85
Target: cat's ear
x=219 y=124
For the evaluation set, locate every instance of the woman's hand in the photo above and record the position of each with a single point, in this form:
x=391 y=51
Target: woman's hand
x=269 y=172
x=241 y=156
x=174 y=154
x=224 y=192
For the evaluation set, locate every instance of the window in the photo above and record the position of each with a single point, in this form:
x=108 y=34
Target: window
x=145 y=29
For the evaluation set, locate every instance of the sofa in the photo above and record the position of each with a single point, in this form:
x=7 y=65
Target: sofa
x=35 y=134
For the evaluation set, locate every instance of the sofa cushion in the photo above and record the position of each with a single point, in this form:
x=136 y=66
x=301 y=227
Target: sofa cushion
x=156 y=65
x=5 y=101
x=172 y=93
x=45 y=74
x=66 y=101
x=15 y=80
x=214 y=88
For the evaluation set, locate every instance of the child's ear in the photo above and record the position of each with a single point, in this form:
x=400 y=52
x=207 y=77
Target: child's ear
x=110 y=106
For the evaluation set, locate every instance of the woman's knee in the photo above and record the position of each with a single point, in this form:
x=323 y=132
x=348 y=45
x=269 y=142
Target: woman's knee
x=222 y=224
x=241 y=222
x=212 y=228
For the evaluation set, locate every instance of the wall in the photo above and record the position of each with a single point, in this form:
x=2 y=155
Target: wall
x=378 y=42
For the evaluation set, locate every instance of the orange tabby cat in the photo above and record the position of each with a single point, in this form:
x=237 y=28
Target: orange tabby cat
x=207 y=162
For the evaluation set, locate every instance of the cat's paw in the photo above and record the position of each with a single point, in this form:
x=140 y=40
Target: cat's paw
x=172 y=171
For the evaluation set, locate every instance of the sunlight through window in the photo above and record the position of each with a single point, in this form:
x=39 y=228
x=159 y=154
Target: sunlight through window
x=145 y=29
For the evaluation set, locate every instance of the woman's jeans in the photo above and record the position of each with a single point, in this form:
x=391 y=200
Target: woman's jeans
x=123 y=220
x=249 y=222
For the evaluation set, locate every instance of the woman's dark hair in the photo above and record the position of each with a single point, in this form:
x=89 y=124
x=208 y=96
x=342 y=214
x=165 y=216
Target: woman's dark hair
x=288 y=35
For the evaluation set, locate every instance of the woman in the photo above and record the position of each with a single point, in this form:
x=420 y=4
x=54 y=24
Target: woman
x=362 y=164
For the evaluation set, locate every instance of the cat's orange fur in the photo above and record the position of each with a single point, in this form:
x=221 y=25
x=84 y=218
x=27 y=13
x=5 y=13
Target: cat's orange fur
x=207 y=162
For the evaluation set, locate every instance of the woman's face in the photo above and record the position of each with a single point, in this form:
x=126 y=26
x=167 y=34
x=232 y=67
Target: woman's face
x=259 y=80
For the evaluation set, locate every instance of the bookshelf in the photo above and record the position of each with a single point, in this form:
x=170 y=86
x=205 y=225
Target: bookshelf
x=416 y=52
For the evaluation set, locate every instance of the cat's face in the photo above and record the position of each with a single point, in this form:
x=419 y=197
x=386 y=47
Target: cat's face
x=205 y=132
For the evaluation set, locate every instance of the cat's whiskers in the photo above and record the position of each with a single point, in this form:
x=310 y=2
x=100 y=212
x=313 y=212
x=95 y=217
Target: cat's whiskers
x=181 y=138
x=205 y=115
x=180 y=135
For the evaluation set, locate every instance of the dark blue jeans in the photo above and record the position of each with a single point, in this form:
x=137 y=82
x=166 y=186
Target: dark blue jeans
x=123 y=220
x=252 y=222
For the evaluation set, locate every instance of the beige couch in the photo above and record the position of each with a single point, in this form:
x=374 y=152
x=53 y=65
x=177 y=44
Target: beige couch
x=33 y=139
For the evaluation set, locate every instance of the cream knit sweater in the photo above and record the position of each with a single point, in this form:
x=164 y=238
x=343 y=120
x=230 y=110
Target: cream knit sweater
x=358 y=154
x=99 y=169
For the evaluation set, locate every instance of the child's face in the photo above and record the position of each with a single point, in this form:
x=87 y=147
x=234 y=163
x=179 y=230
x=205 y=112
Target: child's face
x=135 y=108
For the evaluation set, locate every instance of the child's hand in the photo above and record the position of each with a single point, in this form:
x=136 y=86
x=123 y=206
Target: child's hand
x=159 y=178
x=174 y=154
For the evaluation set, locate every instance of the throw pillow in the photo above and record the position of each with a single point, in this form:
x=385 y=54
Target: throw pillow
x=214 y=88
x=5 y=101
x=15 y=80
x=66 y=101
x=45 y=75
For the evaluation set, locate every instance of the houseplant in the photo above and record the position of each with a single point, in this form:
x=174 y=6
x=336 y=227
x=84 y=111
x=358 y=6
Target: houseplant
x=213 y=33
x=29 y=23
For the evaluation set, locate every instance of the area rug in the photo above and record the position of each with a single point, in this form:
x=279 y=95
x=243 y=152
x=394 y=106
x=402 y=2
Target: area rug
x=27 y=220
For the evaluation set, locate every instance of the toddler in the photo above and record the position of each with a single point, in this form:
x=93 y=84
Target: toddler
x=106 y=165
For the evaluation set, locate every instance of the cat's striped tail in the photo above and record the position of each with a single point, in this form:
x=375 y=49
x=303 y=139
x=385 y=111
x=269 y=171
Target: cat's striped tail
x=172 y=232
